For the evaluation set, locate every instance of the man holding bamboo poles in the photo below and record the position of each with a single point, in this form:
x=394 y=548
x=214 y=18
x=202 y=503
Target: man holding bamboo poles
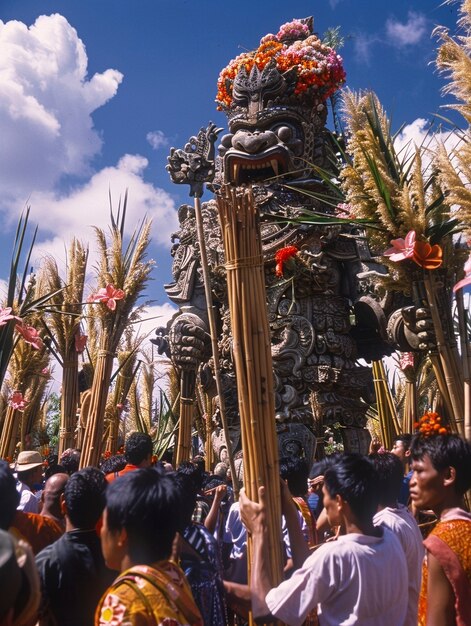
x=349 y=581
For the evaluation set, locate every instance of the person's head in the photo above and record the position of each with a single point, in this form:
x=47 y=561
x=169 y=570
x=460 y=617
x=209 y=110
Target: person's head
x=29 y=467
x=141 y=518
x=188 y=491
x=220 y=469
x=390 y=477
x=113 y=464
x=51 y=495
x=138 y=449
x=70 y=460
x=193 y=472
x=84 y=498
x=295 y=470
x=351 y=490
x=9 y=496
x=401 y=447
x=441 y=471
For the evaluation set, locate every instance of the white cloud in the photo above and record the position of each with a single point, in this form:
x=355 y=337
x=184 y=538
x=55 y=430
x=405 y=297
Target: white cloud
x=46 y=129
x=408 y=33
x=157 y=139
x=46 y=103
x=87 y=205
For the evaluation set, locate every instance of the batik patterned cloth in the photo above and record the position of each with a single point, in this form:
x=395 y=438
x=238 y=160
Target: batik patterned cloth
x=450 y=544
x=149 y=596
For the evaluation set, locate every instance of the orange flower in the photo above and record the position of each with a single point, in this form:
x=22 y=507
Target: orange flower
x=427 y=256
x=282 y=256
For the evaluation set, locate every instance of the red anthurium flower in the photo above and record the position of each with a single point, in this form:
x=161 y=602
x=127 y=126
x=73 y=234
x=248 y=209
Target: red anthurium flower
x=17 y=401
x=80 y=342
x=467 y=279
x=427 y=256
x=282 y=256
x=402 y=248
x=6 y=316
x=30 y=335
x=109 y=295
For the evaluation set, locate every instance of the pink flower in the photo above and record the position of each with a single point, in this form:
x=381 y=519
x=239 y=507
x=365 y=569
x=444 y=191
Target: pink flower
x=46 y=372
x=108 y=295
x=402 y=248
x=467 y=279
x=80 y=342
x=6 y=316
x=17 y=401
x=30 y=335
x=406 y=359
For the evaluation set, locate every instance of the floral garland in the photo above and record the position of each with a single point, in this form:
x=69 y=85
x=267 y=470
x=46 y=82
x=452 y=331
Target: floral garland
x=284 y=256
x=318 y=66
x=431 y=424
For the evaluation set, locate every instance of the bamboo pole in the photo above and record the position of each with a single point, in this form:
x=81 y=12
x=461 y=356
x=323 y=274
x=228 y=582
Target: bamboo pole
x=99 y=394
x=214 y=340
x=69 y=402
x=252 y=358
x=410 y=406
x=466 y=362
x=187 y=393
x=447 y=358
x=9 y=433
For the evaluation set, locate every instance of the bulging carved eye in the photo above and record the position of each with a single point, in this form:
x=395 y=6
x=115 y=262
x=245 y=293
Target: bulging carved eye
x=285 y=133
x=226 y=140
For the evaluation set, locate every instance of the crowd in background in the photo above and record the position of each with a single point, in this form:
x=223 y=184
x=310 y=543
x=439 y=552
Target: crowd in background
x=142 y=543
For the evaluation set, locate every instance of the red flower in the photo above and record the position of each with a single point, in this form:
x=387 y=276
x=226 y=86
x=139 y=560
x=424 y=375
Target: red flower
x=427 y=256
x=17 y=401
x=30 y=335
x=80 y=342
x=282 y=256
x=108 y=295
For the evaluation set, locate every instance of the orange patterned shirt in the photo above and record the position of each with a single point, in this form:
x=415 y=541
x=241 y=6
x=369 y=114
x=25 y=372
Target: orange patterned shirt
x=450 y=544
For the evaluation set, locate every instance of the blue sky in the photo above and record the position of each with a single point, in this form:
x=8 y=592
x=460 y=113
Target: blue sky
x=94 y=92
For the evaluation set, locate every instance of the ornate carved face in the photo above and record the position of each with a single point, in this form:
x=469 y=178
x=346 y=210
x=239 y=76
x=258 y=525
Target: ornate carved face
x=274 y=98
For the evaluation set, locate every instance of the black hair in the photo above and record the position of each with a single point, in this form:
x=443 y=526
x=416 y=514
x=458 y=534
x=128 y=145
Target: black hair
x=84 y=496
x=295 y=471
x=355 y=479
x=70 y=460
x=9 y=496
x=390 y=476
x=137 y=448
x=319 y=467
x=146 y=503
x=405 y=438
x=194 y=472
x=189 y=492
x=446 y=451
x=112 y=464
x=212 y=481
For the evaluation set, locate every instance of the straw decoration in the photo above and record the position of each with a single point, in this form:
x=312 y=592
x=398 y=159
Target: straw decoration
x=252 y=357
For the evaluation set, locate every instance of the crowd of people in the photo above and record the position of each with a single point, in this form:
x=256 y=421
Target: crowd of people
x=141 y=543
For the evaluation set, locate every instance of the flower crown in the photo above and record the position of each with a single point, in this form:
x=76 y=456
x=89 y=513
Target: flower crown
x=318 y=68
x=431 y=424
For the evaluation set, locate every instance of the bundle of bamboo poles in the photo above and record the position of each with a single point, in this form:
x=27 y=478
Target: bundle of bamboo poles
x=385 y=403
x=187 y=390
x=252 y=357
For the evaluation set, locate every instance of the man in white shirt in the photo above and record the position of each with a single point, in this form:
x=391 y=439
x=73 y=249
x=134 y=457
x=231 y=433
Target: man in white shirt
x=402 y=523
x=29 y=472
x=359 y=579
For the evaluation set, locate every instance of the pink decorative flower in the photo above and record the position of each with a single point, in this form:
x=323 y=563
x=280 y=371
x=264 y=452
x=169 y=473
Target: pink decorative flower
x=6 y=316
x=108 y=295
x=406 y=359
x=80 y=342
x=112 y=611
x=467 y=279
x=17 y=401
x=46 y=372
x=402 y=248
x=30 y=335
